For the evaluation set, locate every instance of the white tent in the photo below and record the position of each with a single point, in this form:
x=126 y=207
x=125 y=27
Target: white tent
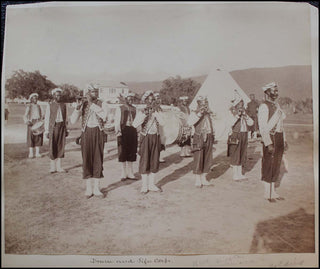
x=220 y=89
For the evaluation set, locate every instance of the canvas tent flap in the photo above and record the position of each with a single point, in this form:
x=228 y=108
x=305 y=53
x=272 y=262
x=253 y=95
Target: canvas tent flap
x=219 y=88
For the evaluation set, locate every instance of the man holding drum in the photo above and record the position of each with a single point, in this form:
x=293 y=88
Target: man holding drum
x=32 y=115
x=203 y=138
x=127 y=138
x=56 y=130
x=92 y=138
x=150 y=143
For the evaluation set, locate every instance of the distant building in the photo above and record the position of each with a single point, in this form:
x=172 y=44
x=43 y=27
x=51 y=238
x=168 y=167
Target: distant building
x=109 y=91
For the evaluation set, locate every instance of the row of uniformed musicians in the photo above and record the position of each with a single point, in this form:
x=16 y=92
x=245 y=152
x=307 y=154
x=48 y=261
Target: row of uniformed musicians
x=93 y=114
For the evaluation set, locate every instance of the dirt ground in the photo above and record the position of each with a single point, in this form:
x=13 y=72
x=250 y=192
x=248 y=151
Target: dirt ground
x=49 y=214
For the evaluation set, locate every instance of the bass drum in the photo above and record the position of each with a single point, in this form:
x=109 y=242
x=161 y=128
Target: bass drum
x=175 y=128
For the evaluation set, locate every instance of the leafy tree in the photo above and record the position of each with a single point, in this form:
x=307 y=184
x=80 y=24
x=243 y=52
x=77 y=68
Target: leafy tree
x=69 y=92
x=22 y=84
x=172 y=88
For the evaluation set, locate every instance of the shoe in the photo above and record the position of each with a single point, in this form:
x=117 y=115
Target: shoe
x=162 y=161
x=30 y=156
x=123 y=179
x=272 y=200
x=61 y=170
x=38 y=155
x=280 y=199
x=88 y=196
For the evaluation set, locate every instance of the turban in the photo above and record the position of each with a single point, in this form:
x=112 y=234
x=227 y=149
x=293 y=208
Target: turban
x=91 y=87
x=56 y=90
x=183 y=97
x=33 y=94
x=146 y=95
x=269 y=86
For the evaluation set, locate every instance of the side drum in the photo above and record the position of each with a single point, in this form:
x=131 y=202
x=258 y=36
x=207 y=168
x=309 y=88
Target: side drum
x=38 y=128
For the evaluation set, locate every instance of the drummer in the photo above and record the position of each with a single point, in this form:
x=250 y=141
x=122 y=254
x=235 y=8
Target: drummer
x=203 y=138
x=150 y=143
x=185 y=146
x=127 y=138
x=32 y=115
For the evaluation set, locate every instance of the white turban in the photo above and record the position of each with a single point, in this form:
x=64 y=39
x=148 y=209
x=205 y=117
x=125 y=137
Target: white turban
x=56 y=90
x=269 y=86
x=146 y=95
x=91 y=87
x=183 y=98
x=33 y=94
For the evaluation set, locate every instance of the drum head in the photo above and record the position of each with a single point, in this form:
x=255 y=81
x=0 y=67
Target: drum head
x=38 y=128
x=171 y=129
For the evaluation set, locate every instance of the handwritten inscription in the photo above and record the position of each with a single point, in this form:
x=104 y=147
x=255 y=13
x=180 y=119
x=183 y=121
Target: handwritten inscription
x=139 y=260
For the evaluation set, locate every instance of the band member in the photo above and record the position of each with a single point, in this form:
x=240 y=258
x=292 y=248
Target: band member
x=270 y=119
x=32 y=115
x=93 y=116
x=150 y=143
x=185 y=146
x=127 y=138
x=203 y=138
x=238 y=139
x=6 y=112
x=252 y=111
x=163 y=147
x=56 y=130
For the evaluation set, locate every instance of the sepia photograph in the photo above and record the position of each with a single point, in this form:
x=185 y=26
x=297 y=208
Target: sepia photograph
x=139 y=134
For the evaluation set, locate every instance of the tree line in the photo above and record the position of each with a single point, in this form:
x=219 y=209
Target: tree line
x=22 y=84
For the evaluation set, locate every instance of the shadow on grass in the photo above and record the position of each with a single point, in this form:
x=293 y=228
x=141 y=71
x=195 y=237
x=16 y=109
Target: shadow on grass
x=292 y=233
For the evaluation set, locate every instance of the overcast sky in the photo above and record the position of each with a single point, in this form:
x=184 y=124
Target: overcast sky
x=153 y=41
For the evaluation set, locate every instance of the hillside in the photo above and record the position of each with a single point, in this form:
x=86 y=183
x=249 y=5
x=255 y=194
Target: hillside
x=294 y=81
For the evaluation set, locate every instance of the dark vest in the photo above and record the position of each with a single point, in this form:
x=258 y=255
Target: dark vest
x=32 y=107
x=198 y=126
x=271 y=108
x=53 y=113
x=86 y=114
x=125 y=110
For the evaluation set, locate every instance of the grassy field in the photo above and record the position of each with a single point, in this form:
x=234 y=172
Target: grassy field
x=48 y=214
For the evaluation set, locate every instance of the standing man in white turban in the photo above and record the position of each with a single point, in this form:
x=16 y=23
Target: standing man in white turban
x=56 y=130
x=270 y=119
x=238 y=138
x=32 y=115
x=93 y=116
x=203 y=138
x=127 y=137
x=150 y=142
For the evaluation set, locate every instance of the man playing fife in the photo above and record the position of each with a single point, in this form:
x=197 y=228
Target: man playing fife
x=238 y=151
x=92 y=138
x=56 y=130
x=126 y=136
x=203 y=138
x=252 y=111
x=270 y=119
x=185 y=146
x=31 y=116
x=150 y=143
